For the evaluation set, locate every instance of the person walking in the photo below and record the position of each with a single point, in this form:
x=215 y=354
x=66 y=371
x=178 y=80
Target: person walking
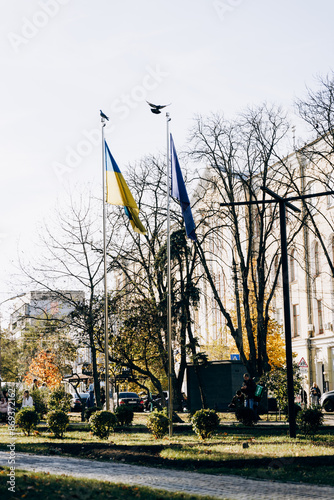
x=91 y=393
x=315 y=394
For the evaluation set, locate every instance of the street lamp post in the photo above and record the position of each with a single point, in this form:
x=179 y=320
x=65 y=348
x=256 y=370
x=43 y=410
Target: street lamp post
x=283 y=203
x=286 y=303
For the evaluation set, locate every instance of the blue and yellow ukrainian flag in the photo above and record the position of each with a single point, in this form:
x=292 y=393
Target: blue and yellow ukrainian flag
x=118 y=192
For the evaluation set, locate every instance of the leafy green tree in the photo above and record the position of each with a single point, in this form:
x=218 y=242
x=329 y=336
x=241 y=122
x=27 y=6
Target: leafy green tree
x=11 y=367
x=276 y=382
x=59 y=400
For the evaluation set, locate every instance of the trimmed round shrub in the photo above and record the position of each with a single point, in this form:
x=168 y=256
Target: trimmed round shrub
x=102 y=423
x=158 y=424
x=89 y=411
x=57 y=421
x=309 y=420
x=27 y=419
x=204 y=423
x=59 y=400
x=245 y=415
x=124 y=415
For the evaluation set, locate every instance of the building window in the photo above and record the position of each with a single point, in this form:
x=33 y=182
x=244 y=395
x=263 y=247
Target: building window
x=330 y=198
x=320 y=320
x=296 y=320
x=293 y=266
x=279 y=316
x=316 y=259
x=277 y=271
x=311 y=201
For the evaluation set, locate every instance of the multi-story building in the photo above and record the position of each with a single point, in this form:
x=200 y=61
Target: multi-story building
x=36 y=308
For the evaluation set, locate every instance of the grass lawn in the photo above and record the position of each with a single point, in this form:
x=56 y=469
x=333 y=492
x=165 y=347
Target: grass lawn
x=261 y=452
x=36 y=486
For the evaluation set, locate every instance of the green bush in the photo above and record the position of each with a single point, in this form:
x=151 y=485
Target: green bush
x=40 y=401
x=102 y=423
x=59 y=400
x=58 y=421
x=158 y=423
x=124 y=415
x=27 y=419
x=245 y=415
x=310 y=419
x=204 y=422
x=89 y=411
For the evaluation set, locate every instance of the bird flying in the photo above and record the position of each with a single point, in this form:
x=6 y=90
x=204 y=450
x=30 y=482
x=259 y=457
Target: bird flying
x=103 y=115
x=157 y=107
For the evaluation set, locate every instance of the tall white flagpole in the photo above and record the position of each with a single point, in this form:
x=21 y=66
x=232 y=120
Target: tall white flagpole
x=106 y=338
x=169 y=297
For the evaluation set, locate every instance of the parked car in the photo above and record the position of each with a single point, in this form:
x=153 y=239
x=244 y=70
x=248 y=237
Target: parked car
x=129 y=398
x=327 y=401
x=76 y=404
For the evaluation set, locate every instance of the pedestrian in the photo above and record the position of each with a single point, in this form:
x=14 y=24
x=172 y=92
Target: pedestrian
x=238 y=400
x=3 y=408
x=44 y=388
x=27 y=401
x=303 y=397
x=315 y=394
x=34 y=386
x=248 y=389
x=91 y=393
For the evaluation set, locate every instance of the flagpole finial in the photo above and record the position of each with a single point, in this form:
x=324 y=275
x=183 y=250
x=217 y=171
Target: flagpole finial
x=104 y=118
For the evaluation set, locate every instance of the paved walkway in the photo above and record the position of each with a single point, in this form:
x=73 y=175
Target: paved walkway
x=214 y=486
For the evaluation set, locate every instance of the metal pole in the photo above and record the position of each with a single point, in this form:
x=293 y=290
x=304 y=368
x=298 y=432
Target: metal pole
x=287 y=320
x=106 y=344
x=169 y=298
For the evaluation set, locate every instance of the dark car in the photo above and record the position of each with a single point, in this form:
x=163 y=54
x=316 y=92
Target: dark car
x=76 y=404
x=327 y=401
x=129 y=398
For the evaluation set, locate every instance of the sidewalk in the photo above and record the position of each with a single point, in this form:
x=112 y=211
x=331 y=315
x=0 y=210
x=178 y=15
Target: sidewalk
x=215 y=486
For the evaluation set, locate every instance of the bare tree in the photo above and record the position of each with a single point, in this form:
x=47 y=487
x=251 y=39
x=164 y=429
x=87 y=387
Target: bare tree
x=316 y=158
x=71 y=262
x=241 y=158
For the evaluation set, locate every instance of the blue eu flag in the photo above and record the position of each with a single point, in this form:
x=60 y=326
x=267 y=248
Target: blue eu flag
x=178 y=191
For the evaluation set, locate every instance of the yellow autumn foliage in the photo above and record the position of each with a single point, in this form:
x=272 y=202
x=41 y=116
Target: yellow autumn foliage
x=43 y=367
x=222 y=348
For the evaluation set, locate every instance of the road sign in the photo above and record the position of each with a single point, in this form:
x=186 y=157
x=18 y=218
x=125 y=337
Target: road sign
x=235 y=357
x=302 y=363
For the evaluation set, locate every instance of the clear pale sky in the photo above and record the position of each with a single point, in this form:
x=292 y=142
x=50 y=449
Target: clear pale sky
x=64 y=60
